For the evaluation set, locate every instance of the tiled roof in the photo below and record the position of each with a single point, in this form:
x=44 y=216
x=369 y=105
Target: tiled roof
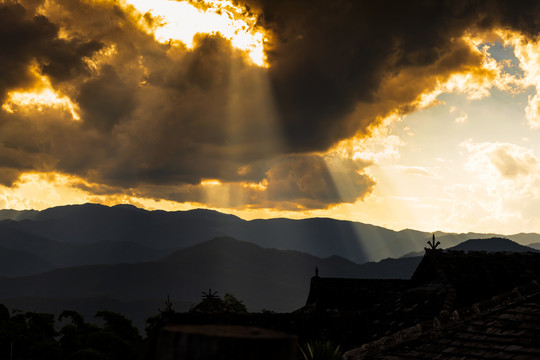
x=508 y=330
x=491 y=310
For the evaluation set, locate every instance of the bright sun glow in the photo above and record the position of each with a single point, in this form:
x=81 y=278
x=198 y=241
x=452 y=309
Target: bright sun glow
x=180 y=21
x=40 y=98
x=210 y=183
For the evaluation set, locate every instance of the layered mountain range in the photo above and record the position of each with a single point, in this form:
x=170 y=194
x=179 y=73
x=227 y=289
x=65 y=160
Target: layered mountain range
x=92 y=256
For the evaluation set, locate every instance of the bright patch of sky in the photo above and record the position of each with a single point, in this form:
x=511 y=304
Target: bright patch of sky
x=464 y=165
x=505 y=55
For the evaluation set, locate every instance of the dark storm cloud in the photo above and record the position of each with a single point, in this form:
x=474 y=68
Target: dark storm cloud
x=156 y=119
x=106 y=99
x=299 y=182
x=25 y=38
x=49 y=143
x=307 y=182
x=328 y=56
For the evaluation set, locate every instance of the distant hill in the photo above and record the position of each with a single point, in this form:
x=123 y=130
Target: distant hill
x=525 y=238
x=263 y=278
x=8 y=214
x=492 y=245
x=21 y=263
x=123 y=255
x=90 y=223
x=168 y=231
x=66 y=254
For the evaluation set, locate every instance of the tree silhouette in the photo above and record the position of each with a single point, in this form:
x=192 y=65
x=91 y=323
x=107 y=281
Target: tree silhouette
x=32 y=335
x=163 y=317
x=119 y=325
x=76 y=318
x=168 y=306
x=74 y=336
x=233 y=305
x=119 y=338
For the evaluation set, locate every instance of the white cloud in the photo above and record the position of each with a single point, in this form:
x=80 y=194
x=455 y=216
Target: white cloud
x=500 y=186
x=416 y=170
x=528 y=54
x=408 y=131
x=500 y=161
x=379 y=147
x=461 y=119
x=532 y=111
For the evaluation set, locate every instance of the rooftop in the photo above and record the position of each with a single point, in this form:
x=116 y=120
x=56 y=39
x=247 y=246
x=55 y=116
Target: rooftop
x=491 y=310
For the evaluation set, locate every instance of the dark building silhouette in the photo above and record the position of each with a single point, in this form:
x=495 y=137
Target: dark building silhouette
x=471 y=305
x=457 y=305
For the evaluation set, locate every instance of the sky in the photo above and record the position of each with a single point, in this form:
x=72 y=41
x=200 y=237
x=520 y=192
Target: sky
x=422 y=114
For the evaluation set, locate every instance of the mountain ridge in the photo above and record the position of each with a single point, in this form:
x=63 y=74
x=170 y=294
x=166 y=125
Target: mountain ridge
x=164 y=230
x=263 y=278
x=493 y=244
x=62 y=254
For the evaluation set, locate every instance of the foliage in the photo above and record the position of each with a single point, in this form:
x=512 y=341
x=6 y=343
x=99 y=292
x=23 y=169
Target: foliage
x=212 y=303
x=4 y=313
x=168 y=307
x=33 y=335
x=320 y=350
x=74 y=335
x=233 y=305
x=119 y=325
x=163 y=317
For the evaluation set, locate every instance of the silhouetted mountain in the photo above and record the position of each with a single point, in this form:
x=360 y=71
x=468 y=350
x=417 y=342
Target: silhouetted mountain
x=21 y=263
x=450 y=239
x=492 y=245
x=262 y=278
x=318 y=236
x=323 y=237
x=66 y=254
x=157 y=229
x=535 y=246
x=9 y=214
x=390 y=268
x=525 y=238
